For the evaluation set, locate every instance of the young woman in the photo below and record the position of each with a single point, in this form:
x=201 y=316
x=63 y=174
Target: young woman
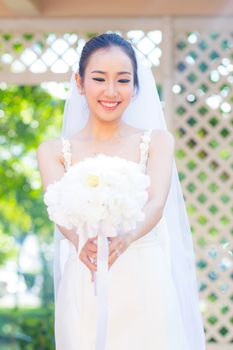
x=113 y=109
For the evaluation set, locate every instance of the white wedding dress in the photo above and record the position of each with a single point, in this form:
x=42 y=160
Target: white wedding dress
x=143 y=311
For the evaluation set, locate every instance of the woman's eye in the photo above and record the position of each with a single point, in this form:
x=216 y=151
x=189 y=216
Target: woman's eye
x=121 y=81
x=98 y=79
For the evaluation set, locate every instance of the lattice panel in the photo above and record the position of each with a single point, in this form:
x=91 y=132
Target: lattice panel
x=54 y=55
x=203 y=95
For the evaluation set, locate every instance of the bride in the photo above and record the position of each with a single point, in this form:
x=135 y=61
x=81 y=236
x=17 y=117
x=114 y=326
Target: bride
x=113 y=108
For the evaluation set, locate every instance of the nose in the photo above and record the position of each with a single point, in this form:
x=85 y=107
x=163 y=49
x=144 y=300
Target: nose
x=111 y=89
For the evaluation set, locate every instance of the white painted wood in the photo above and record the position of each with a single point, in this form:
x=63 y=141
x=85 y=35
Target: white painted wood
x=167 y=69
x=80 y=24
x=136 y=8
x=219 y=347
x=33 y=79
x=24 y=7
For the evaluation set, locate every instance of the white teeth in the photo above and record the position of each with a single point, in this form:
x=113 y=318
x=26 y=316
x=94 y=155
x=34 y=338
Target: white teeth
x=109 y=104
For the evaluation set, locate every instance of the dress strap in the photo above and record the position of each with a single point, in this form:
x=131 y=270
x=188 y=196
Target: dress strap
x=66 y=151
x=144 y=149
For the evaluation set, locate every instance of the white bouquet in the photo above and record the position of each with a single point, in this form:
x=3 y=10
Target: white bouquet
x=101 y=196
x=110 y=191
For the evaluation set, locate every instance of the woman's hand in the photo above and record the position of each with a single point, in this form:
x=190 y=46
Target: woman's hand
x=88 y=255
x=118 y=244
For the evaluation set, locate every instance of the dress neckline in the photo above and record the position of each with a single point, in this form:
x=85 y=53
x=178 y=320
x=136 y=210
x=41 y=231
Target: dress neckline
x=143 y=146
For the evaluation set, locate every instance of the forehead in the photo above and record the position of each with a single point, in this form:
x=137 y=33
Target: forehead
x=109 y=59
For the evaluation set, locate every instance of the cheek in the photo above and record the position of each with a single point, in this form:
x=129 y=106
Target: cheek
x=92 y=90
x=127 y=94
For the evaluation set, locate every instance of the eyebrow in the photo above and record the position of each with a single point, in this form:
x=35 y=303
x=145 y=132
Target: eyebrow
x=102 y=72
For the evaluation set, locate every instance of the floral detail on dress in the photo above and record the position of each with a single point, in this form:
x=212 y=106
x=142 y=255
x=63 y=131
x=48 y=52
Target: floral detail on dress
x=66 y=151
x=144 y=149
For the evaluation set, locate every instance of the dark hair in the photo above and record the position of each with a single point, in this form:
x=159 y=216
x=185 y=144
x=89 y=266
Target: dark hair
x=107 y=40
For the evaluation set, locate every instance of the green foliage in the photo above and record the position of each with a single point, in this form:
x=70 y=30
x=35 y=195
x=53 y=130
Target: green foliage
x=30 y=329
x=28 y=115
x=7 y=248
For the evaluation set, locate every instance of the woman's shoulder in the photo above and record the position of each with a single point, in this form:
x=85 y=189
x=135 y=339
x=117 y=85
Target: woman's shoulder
x=158 y=135
x=51 y=147
x=162 y=141
x=52 y=144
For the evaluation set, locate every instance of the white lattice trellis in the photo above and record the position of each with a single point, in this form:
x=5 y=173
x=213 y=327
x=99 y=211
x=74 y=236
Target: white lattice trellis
x=203 y=80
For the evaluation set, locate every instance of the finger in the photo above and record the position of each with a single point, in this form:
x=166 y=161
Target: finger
x=92 y=257
x=85 y=259
x=113 y=254
x=112 y=258
x=111 y=261
x=89 y=252
x=93 y=240
x=91 y=246
x=116 y=247
x=113 y=245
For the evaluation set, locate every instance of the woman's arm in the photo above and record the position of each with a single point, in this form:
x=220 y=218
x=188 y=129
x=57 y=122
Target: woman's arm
x=49 y=159
x=159 y=168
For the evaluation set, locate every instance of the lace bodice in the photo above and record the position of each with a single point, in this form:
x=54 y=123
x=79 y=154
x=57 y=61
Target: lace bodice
x=144 y=150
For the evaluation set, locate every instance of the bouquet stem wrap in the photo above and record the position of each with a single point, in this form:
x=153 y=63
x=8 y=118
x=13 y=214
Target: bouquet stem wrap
x=101 y=290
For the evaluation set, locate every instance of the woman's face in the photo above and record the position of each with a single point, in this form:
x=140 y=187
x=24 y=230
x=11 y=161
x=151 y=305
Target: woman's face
x=108 y=83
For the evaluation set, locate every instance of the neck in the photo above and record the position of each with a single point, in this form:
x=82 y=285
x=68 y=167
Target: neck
x=98 y=130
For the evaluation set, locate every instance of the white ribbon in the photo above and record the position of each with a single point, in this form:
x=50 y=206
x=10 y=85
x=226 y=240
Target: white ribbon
x=101 y=290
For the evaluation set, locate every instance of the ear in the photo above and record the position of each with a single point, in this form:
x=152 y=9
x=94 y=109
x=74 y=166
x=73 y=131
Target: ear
x=78 y=81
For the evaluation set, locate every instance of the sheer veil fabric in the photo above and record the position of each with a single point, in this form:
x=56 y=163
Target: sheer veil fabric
x=145 y=112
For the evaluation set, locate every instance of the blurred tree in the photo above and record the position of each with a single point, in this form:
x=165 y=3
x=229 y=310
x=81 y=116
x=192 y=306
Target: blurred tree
x=28 y=115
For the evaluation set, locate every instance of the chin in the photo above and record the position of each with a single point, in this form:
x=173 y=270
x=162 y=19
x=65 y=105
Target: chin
x=109 y=119
x=109 y=116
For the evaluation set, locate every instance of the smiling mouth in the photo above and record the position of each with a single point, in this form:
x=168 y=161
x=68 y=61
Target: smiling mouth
x=109 y=105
